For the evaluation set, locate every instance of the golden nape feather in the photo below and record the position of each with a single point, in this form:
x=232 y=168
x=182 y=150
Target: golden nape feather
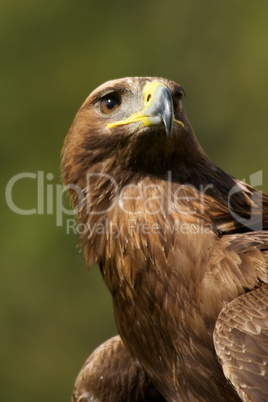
x=182 y=247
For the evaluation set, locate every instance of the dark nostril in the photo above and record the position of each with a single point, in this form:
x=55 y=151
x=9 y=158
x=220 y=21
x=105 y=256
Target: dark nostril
x=149 y=97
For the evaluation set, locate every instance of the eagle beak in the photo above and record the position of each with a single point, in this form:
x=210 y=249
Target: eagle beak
x=158 y=109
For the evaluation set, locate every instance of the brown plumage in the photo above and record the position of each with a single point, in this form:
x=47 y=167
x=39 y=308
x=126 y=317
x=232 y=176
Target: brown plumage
x=112 y=374
x=182 y=245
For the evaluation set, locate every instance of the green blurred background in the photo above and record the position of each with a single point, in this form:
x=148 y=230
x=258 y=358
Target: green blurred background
x=53 y=54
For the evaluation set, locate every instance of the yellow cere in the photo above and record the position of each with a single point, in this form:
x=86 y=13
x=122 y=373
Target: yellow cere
x=148 y=95
x=149 y=90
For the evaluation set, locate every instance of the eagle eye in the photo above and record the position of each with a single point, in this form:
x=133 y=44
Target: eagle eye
x=177 y=101
x=110 y=103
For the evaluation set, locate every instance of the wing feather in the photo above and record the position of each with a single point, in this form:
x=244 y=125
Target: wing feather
x=112 y=374
x=241 y=343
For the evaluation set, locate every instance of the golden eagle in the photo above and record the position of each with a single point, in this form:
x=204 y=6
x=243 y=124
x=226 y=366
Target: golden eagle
x=182 y=247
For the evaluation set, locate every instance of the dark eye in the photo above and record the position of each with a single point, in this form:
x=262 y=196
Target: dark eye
x=177 y=101
x=110 y=103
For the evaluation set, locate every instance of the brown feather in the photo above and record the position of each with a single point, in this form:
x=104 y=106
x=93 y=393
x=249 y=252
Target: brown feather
x=111 y=374
x=190 y=238
x=241 y=341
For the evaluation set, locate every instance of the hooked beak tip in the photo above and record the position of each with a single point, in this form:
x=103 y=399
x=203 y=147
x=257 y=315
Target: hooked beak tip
x=162 y=106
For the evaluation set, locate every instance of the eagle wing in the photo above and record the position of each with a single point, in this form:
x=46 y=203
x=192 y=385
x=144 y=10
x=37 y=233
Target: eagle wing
x=245 y=210
x=111 y=374
x=241 y=342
